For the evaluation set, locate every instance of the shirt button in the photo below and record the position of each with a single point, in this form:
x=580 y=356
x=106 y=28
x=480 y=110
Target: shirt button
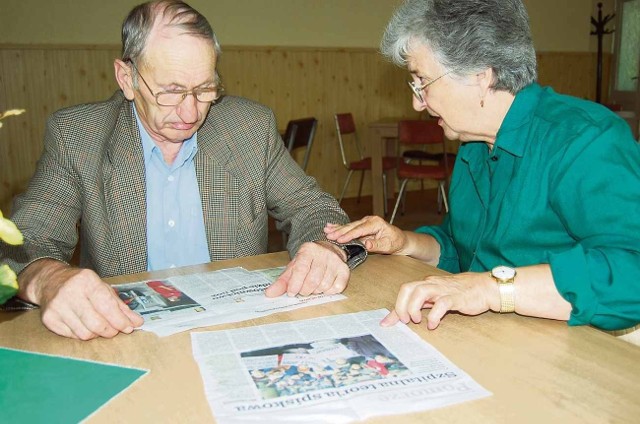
x=171 y=223
x=171 y=178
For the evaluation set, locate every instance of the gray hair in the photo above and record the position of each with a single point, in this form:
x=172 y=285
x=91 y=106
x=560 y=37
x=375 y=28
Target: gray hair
x=138 y=24
x=467 y=37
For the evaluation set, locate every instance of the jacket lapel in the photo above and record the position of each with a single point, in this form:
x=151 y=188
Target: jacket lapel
x=218 y=191
x=125 y=193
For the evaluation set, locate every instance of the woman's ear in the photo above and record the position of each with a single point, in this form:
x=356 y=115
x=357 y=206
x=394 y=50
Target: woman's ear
x=484 y=80
x=124 y=77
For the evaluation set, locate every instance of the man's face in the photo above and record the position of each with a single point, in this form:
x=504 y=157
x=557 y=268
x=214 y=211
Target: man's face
x=174 y=62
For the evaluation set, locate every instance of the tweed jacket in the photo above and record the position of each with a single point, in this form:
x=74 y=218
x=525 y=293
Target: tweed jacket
x=90 y=183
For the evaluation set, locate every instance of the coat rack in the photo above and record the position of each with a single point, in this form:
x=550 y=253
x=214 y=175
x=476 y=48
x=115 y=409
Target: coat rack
x=600 y=31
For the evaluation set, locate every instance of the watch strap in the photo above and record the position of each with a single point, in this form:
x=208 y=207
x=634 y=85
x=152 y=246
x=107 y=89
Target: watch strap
x=355 y=250
x=507 y=296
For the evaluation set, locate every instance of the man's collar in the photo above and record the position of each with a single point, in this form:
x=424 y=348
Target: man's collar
x=187 y=151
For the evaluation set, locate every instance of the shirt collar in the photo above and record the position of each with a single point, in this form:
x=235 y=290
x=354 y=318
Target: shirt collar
x=149 y=147
x=510 y=137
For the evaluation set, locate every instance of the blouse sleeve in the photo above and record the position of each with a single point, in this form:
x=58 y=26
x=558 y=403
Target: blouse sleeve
x=449 y=260
x=595 y=190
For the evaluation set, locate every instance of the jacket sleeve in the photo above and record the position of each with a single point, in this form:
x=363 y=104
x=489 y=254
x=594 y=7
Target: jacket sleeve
x=48 y=212
x=596 y=193
x=295 y=200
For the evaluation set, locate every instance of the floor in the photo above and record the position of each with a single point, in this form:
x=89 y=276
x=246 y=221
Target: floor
x=421 y=208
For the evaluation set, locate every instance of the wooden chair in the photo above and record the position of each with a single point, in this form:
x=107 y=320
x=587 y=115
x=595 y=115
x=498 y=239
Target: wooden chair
x=346 y=130
x=413 y=133
x=299 y=134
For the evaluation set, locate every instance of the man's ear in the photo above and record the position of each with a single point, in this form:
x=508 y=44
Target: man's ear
x=124 y=77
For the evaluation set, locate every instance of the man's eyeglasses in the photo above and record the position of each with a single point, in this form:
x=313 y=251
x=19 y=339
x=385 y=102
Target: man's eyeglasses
x=418 y=89
x=174 y=98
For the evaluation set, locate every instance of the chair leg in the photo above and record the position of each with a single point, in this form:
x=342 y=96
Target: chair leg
x=360 y=188
x=384 y=192
x=344 y=187
x=395 y=208
x=444 y=197
x=404 y=201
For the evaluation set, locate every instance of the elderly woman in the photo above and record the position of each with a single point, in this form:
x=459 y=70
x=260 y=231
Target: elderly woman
x=545 y=195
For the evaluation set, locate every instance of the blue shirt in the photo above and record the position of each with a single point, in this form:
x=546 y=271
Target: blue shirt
x=175 y=223
x=560 y=187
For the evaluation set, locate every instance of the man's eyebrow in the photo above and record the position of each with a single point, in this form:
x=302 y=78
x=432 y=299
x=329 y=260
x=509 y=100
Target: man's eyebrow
x=175 y=85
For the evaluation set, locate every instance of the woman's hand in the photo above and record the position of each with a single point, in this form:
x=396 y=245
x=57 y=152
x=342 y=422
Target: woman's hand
x=377 y=235
x=469 y=293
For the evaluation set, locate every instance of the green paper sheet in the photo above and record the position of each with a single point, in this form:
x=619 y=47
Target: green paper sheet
x=37 y=388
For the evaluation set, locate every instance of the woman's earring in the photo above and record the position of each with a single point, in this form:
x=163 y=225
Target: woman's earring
x=482 y=103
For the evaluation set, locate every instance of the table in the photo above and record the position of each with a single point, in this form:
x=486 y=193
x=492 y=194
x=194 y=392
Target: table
x=539 y=371
x=383 y=134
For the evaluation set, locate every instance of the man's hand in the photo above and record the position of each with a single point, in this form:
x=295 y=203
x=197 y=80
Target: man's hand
x=470 y=293
x=75 y=302
x=318 y=267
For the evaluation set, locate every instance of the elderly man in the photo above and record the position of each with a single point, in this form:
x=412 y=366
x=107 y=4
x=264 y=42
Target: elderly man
x=165 y=173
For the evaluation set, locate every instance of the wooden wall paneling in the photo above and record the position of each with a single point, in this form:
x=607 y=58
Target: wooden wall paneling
x=43 y=80
x=294 y=82
x=574 y=73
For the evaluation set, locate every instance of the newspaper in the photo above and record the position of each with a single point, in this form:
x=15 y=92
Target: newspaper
x=334 y=369
x=176 y=304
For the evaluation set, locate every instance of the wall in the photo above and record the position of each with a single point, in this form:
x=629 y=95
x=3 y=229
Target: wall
x=557 y=25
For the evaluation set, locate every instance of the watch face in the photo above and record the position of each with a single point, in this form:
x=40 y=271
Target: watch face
x=503 y=272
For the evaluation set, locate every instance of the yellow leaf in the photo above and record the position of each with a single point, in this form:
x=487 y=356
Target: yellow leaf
x=12 y=112
x=9 y=232
x=8 y=283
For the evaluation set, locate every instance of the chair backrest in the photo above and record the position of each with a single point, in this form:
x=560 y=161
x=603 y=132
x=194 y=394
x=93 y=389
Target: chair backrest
x=412 y=132
x=300 y=133
x=345 y=125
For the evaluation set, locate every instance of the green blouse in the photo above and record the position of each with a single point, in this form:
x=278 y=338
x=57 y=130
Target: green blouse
x=560 y=187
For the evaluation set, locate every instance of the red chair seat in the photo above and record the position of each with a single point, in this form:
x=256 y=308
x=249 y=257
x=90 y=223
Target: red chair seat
x=388 y=162
x=410 y=171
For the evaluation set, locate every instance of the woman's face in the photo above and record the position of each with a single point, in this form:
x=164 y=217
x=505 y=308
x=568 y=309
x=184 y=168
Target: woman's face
x=453 y=99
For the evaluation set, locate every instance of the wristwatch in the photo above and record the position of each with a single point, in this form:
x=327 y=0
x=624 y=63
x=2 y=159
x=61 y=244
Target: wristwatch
x=505 y=277
x=355 y=251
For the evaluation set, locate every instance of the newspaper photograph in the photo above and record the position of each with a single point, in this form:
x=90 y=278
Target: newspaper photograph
x=336 y=369
x=180 y=303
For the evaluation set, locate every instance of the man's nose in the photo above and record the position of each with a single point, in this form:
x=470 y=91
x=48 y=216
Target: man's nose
x=188 y=109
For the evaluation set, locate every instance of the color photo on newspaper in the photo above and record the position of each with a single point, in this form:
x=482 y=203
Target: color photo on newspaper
x=154 y=296
x=323 y=364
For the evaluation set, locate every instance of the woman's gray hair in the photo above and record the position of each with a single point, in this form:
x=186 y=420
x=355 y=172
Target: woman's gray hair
x=138 y=24
x=467 y=37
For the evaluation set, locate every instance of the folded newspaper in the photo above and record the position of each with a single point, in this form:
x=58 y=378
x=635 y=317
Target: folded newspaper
x=181 y=303
x=335 y=369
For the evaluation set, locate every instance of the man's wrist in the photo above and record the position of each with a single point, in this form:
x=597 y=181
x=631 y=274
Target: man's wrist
x=35 y=277
x=342 y=253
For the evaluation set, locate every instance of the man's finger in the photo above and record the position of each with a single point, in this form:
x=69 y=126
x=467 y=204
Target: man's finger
x=279 y=287
x=108 y=306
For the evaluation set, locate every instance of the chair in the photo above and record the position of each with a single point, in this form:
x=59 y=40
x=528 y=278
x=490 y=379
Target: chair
x=412 y=133
x=345 y=126
x=300 y=133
